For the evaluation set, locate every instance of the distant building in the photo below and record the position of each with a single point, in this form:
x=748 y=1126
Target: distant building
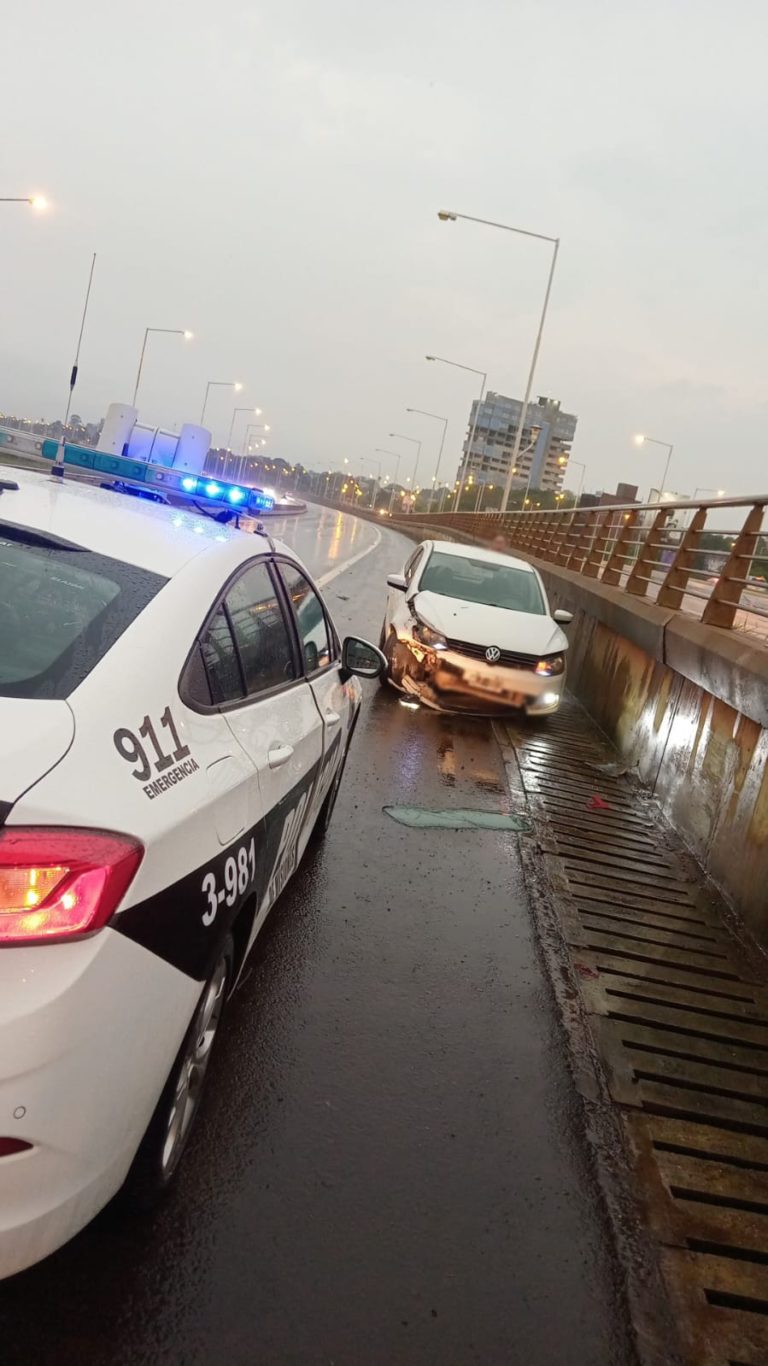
x=545 y=447
x=625 y=493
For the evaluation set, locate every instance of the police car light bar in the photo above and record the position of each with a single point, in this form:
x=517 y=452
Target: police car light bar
x=200 y=488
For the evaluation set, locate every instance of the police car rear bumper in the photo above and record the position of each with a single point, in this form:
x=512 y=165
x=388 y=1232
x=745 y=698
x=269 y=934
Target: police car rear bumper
x=88 y=1034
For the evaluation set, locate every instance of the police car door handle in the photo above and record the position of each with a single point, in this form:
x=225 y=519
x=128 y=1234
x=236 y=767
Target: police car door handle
x=279 y=755
x=332 y=717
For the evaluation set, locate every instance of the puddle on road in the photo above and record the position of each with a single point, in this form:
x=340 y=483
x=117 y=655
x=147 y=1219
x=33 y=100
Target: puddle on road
x=417 y=818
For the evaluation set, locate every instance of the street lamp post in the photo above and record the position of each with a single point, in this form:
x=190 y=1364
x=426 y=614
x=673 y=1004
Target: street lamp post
x=369 y=460
x=382 y=450
x=444 y=421
x=173 y=331
x=570 y=461
x=341 y=476
x=218 y=384
x=37 y=201
x=251 y=427
x=450 y=217
x=641 y=439
x=399 y=436
x=256 y=412
x=472 y=371
x=479 y=500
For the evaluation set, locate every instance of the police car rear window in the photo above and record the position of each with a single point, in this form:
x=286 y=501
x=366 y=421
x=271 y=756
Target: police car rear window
x=61 y=609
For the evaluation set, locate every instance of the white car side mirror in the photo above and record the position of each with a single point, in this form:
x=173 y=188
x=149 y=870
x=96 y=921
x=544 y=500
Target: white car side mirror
x=562 y=617
x=397 y=581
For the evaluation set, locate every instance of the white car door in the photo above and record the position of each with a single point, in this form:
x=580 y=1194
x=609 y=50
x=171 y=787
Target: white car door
x=322 y=662
x=277 y=722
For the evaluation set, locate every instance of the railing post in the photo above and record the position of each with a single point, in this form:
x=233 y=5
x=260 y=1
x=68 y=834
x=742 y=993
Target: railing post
x=638 y=582
x=562 y=529
x=580 y=549
x=526 y=530
x=616 y=560
x=599 y=545
x=726 y=595
x=675 y=582
x=540 y=540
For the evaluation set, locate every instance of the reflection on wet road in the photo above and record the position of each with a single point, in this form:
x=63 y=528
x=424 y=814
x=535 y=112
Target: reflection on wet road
x=322 y=538
x=388 y=1170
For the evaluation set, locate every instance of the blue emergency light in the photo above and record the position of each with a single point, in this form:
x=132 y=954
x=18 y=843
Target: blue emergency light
x=199 y=488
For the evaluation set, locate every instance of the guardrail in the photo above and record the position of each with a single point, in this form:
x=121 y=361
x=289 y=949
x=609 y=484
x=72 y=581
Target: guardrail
x=662 y=552
x=18 y=442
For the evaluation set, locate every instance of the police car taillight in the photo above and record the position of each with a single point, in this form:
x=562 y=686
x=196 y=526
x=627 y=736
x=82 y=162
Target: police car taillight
x=56 y=882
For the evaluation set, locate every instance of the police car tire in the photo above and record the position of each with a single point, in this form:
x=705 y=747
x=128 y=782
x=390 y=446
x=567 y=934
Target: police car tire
x=326 y=811
x=148 y=1179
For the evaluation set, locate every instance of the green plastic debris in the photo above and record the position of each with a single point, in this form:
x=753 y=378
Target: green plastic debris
x=419 y=819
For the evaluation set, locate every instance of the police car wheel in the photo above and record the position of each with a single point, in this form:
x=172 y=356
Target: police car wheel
x=327 y=809
x=165 y=1141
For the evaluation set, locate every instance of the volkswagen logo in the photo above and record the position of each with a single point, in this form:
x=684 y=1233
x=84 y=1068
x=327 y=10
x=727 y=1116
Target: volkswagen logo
x=493 y=654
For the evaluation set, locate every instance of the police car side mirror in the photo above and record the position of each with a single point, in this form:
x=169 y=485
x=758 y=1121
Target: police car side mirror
x=361 y=658
x=397 y=581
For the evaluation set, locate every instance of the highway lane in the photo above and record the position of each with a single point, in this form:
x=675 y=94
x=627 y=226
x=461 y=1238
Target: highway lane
x=389 y=1168
x=324 y=539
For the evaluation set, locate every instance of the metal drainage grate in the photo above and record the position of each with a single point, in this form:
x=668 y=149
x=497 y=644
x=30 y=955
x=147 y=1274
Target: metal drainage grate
x=680 y=1019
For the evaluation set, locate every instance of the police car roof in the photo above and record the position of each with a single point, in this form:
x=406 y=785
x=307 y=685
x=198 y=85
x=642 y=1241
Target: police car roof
x=149 y=535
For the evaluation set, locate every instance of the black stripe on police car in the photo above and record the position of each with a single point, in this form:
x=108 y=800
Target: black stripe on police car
x=186 y=921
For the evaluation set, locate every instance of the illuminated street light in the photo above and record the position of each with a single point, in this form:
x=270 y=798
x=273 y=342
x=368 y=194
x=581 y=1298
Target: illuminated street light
x=641 y=439
x=36 y=201
x=174 y=331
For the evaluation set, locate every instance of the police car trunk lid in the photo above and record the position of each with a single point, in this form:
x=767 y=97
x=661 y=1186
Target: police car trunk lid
x=34 y=736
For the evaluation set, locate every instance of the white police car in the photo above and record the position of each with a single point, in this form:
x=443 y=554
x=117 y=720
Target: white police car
x=175 y=712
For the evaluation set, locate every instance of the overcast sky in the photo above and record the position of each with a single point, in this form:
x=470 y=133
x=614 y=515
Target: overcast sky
x=268 y=175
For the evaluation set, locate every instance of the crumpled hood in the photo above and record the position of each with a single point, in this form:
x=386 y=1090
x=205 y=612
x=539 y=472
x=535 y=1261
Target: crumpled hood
x=478 y=625
x=34 y=737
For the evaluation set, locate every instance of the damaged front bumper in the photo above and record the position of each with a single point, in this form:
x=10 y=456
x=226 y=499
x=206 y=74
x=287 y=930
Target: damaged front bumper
x=447 y=680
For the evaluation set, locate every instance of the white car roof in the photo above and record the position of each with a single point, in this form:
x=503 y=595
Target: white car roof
x=149 y=535
x=477 y=552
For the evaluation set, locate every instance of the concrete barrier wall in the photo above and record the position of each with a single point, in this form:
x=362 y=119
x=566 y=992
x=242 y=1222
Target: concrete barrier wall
x=688 y=706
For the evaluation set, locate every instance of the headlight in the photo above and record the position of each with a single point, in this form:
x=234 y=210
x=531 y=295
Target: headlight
x=551 y=664
x=427 y=635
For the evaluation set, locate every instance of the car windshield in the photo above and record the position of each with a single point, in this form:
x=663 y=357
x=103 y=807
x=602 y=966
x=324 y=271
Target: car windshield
x=482 y=581
x=61 y=609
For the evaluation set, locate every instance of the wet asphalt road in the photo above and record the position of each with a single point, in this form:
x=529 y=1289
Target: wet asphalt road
x=389 y=1167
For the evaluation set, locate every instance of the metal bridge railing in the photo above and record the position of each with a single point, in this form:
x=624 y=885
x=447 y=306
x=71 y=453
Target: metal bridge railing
x=701 y=558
